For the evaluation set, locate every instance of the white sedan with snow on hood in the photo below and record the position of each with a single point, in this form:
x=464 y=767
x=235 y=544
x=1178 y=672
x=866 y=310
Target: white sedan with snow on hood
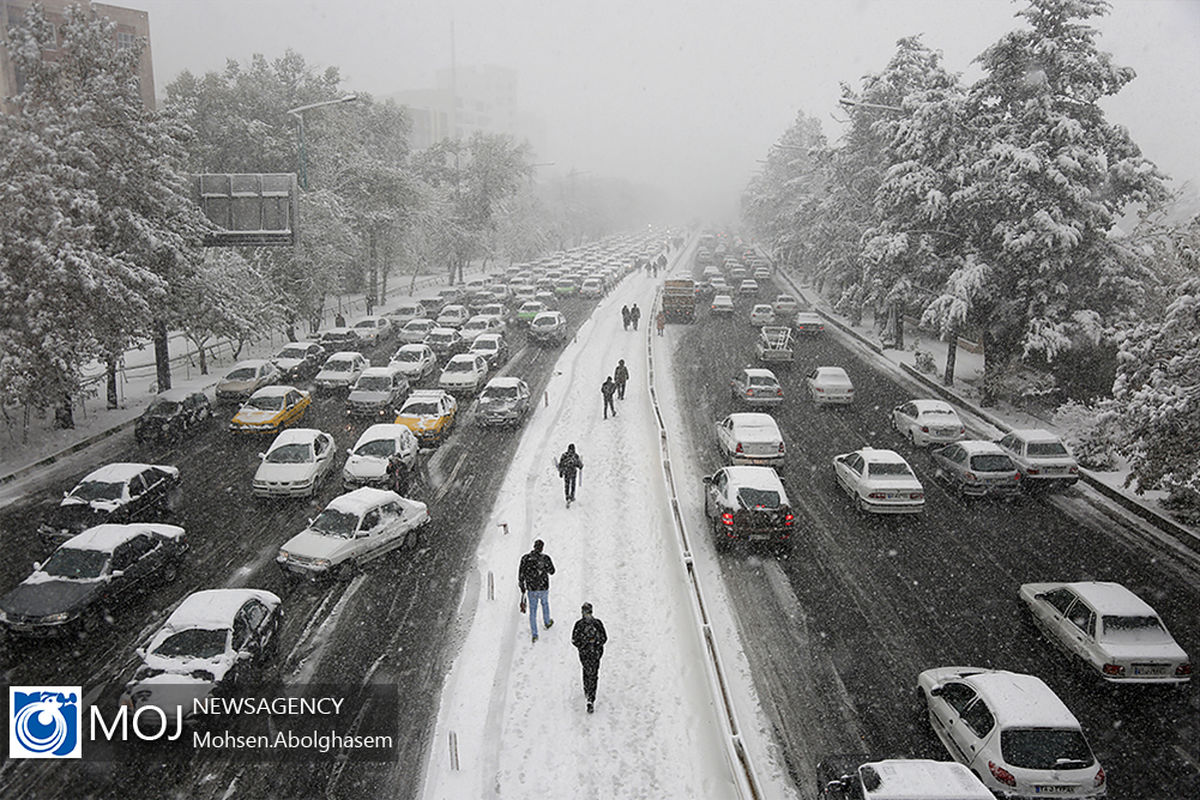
x=749 y=437
x=879 y=481
x=353 y=529
x=925 y=422
x=295 y=464
x=829 y=386
x=384 y=456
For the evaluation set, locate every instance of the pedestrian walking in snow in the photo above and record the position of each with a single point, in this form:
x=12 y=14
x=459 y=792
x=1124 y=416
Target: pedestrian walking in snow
x=339 y=320
x=620 y=377
x=533 y=577
x=370 y=305
x=569 y=463
x=589 y=638
x=660 y=322
x=625 y=316
x=635 y=314
x=608 y=389
x=662 y=261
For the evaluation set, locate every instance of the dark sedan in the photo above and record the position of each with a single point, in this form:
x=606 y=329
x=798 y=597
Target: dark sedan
x=173 y=415
x=115 y=493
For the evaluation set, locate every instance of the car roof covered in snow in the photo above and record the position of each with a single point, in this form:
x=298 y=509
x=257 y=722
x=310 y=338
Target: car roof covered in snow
x=215 y=608
x=344 y=355
x=1020 y=700
x=753 y=419
x=490 y=337
x=295 y=436
x=504 y=381
x=383 y=430
x=278 y=390
x=123 y=471
x=832 y=372
x=977 y=447
x=881 y=456
x=362 y=500
x=923 y=779
x=463 y=358
x=107 y=538
x=1111 y=598
x=760 y=372
x=936 y=406
x=746 y=475
x=426 y=394
x=1036 y=435
x=378 y=372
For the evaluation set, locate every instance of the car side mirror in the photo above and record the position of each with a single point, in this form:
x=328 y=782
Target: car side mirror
x=708 y=479
x=244 y=655
x=349 y=452
x=262 y=456
x=37 y=565
x=936 y=691
x=140 y=652
x=116 y=573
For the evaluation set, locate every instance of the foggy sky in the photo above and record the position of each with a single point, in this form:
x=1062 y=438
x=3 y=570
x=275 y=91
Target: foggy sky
x=682 y=95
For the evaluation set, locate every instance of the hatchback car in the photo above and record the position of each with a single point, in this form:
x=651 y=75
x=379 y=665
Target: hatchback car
x=762 y=314
x=117 y=493
x=1012 y=731
x=976 y=469
x=591 y=287
x=496 y=310
x=749 y=437
x=299 y=360
x=446 y=342
x=373 y=330
x=530 y=309
x=756 y=386
x=1044 y=461
x=341 y=338
x=377 y=393
x=492 y=347
x=172 y=415
x=719 y=285
x=215 y=641
x=463 y=374
x=415 y=331
x=430 y=414
x=245 y=379
x=548 y=328
x=879 y=481
x=926 y=422
x=829 y=386
x=504 y=401
x=295 y=464
x=385 y=456
x=481 y=324
x=353 y=529
x=271 y=409
x=809 y=323
x=453 y=316
x=1109 y=629
x=414 y=361
x=748 y=504
x=847 y=778
x=785 y=304
x=90 y=574
x=341 y=371
x=722 y=304
x=404 y=313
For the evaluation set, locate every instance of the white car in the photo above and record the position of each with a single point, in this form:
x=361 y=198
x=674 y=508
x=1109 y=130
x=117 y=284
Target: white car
x=404 y=313
x=879 y=481
x=378 y=393
x=504 y=401
x=548 y=327
x=785 y=304
x=492 y=347
x=1012 y=731
x=1108 y=628
x=415 y=330
x=414 y=361
x=722 y=304
x=718 y=284
x=295 y=464
x=341 y=370
x=353 y=529
x=385 y=456
x=464 y=374
x=591 y=287
x=245 y=379
x=453 y=316
x=898 y=779
x=748 y=286
x=829 y=386
x=1044 y=461
x=481 y=324
x=926 y=422
x=750 y=437
x=762 y=314
x=756 y=386
x=496 y=310
x=373 y=329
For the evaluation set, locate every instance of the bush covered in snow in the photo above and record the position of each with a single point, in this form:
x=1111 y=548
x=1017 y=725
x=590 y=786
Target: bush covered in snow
x=1092 y=431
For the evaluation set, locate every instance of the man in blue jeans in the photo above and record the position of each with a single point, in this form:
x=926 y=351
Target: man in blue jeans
x=533 y=577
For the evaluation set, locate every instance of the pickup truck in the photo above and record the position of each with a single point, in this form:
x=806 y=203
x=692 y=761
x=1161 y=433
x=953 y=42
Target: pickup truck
x=775 y=344
x=679 y=300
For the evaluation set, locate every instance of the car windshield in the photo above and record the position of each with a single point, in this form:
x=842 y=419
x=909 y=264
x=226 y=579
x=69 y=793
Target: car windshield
x=544 y=321
x=420 y=408
x=98 y=490
x=295 y=453
x=366 y=323
x=377 y=448
x=422 y=325
x=888 y=469
x=67 y=562
x=484 y=344
x=338 y=366
x=1047 y=449
x=163 y=408
x=193 y=643
x=243 y=374
x=994 y=462
x=293 y=352
x=1045 y=748
x=472 y=326
x=1135 y=630
x=756 y=380
x=499 y=393
x=749 y=497
x=332 y=522
x=267 y=403
x=407 y=356
x=460 y=366
x=937 y=412
x=439 y=338
x=374 y=383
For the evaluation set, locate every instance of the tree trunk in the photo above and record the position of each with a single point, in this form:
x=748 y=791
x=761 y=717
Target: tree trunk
x=291 y=326
x=162 y=355
x=64 y=415
x=203 y=360
x=373 y=274
x=991 y=368
x=110 y=370
x=951 y=357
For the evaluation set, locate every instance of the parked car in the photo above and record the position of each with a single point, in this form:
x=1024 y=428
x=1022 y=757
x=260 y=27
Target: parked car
x=172 y=415
x=847 y=778
x=722 y=304
x=245 y=378
x=1109 y=629
x=829 y=386
x=748 y=504
x=415 y=330
x=504 y=401
x=378 y=393
x=446 y=342
x=90 y=575
x=404 y=313
x=492 y=347
x=341 y=371
x=216 y=641
x=925 y=422
x=271 y=409
x=749 y=437
x=116 y=493
x=976 y=469
x=299 y=360
x=1044 y=461
x=809 y=323
x=352 y=530
x=785 y=304
x=481 y=324
x=529 y=310
x=1012 y=731
x=414 y=361
x=748 y=286
x=295 y=464
x=339 y=339
x=430 y=414
x=548 y=327
x=762 y=314
x=373 y=330
x=756 y=386
x=879 y=481
x=463 y=374
x=385 y=456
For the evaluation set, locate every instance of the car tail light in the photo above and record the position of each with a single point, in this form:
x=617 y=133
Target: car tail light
x=1032 y=471
x=877 y=496
x=962 y=430
x=1098 y=781
x=1074 y=470
x=727 y=518
x=781 y=448
x=788 y=518
x=738 y=449
x=1183 y=669
x=779 y=392
x=1001 y=774
x=971 y=476
x=1016 y=476
x=1113 y=669
x=916 y=495
x=924 y=429
x=819 y=389
x=749 y=393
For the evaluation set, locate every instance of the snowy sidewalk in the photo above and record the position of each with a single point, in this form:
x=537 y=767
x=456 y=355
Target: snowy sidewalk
x=516 y=709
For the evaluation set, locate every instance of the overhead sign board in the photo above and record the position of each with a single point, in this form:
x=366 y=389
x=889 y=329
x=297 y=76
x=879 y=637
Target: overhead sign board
x=249 y=209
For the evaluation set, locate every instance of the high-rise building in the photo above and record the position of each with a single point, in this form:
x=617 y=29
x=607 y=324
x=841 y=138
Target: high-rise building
x=131 y=25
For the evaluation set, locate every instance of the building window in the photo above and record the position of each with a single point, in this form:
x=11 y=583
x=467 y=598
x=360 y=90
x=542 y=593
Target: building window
x=126 y=40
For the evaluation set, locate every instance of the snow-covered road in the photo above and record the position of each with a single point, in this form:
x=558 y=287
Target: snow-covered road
x=512 y=721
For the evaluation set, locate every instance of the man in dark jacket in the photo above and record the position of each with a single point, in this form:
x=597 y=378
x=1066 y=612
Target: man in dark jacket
x=589 y=637
x=625 y=316
x=620 y=377
x=568 y=464
x=533 y=576
x=635 y=314
x=608 y=388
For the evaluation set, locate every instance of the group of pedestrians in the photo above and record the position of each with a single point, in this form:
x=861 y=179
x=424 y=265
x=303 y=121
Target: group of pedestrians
x=614 y=387
x=630 y=316
x=588 y=635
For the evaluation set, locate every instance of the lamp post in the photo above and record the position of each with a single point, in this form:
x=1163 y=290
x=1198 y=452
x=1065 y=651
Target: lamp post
x=298 y=113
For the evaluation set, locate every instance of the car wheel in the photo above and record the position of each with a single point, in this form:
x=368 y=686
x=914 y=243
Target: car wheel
x=912 y=438
x=170 y=571
x=412 y=539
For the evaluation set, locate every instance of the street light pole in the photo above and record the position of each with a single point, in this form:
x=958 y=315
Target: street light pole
x=298 y=113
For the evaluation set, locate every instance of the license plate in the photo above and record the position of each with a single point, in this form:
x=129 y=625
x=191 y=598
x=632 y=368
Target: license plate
x=1149 y=670
x=758 y=537
x=1054 y=789
x=1052 y=470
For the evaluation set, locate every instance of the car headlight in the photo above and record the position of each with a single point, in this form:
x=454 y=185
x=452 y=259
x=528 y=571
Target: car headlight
x=321 y=562
x=62 y=616
x=284 y=555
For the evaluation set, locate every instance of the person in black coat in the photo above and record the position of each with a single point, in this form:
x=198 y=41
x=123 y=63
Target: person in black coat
x=608 y=389
x=621 y=377
x=569 y=463
x=635 y=314
x=533 y=577
x=589 y=638
x=625 y=316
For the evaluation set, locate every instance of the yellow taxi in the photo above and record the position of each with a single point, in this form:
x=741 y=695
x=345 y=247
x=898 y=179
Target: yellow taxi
x=429 y=414
x=271 y=409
